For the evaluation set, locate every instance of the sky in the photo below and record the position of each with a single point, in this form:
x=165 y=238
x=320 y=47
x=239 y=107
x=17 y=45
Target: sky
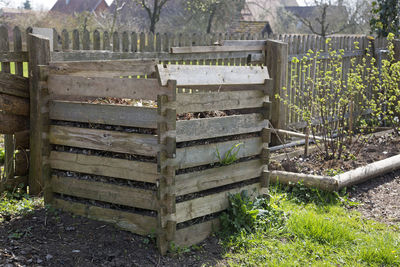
x=47 y=4
x=37 y=4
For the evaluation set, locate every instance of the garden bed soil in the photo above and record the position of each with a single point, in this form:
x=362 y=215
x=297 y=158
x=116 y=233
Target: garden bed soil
x=374 y=149
x=60 y=239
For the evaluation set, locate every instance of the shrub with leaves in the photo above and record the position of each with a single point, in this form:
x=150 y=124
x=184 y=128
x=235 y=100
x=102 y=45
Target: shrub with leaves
x=332 y=99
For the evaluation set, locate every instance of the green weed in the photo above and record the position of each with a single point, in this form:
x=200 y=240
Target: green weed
x=230 y=156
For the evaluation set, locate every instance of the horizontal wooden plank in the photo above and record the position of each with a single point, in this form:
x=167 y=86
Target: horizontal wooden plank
x=205 y=154
x=121 y=195
x=202 y=180
x=65 y=85
x=202 y=206
x=11 y=124
x=197 y=129
x=119 y=115
x=215 y=48
x=161 y=56
x=130 y=143
x=103 y=68
x=14 y=85
x=139 y=224
x=196 y=233
x=244 y=43
x=226 y=87
x=187 y=75
x=208 y=101
x=14 y=105
x=14 y=57
x=111 y=167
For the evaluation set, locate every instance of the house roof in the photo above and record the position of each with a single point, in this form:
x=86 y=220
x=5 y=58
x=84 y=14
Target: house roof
x=76 y=6
x=252 y=27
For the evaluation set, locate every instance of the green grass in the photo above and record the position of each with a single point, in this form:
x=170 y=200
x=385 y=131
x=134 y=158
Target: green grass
x=315 y=233
x=15 y=204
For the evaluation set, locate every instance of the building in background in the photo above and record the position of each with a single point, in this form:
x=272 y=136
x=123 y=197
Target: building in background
x=79 y=6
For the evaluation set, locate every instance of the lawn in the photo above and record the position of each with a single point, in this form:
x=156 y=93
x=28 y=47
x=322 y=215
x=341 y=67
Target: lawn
x=312 y=228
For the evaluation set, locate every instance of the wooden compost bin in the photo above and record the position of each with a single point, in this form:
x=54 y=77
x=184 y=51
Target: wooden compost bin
x=141 y=168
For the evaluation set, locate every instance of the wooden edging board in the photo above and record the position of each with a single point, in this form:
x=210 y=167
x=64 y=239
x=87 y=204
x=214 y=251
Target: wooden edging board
x=196 y=233
x=103 y=166
x=119 y=115
x=136 y=223
x=104 y=140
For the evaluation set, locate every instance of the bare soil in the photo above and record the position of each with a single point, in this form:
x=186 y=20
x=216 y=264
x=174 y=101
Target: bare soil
x=54 y=238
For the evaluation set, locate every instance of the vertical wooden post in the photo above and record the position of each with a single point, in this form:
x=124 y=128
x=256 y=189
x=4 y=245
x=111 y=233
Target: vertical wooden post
x=166 y=186
x=396 y=44
x=9 y=142
x=266 y=139
x=276 y=60
x=39 y=54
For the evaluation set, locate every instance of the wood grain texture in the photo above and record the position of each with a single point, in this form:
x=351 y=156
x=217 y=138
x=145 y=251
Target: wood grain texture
x=104 y=87
x=202 y=206
x=111 y=167
x=187 y=75
x=205 y=154
x=196 y=233
x=202 y=180
x=129 y=143
x=14 y=56
x=104 y=114
x=11 y=124
x=14 y=105
x=139 y=224
x=197 y=129
x=120 y=195
x=208 y=101
x=102 y=68
x=14 y=85
x=212 y=49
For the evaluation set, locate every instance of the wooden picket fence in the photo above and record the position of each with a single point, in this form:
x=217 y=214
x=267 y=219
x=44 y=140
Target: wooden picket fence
x=187 y=49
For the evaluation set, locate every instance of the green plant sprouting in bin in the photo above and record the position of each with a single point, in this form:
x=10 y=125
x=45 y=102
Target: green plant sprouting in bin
x=230 y=155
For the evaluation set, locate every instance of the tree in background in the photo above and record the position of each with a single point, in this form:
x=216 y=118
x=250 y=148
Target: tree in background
x=27 y=5
x=386 y=17
x=214 y=13
x=153 y=9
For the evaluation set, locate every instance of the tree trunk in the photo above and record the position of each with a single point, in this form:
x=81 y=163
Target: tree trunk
x=211 y=18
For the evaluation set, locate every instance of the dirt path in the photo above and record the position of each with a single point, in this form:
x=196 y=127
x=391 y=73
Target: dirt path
x=379 y=198
x=59 y=239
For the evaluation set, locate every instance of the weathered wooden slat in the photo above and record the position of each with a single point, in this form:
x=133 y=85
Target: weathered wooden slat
x=14 y=105
x=129 y=143
x=197 y=129
x=14 y=57
x=205 y=154
x=135 y=223
x=111 y=167
x=187 y=75
x=163 y=56
x=244 y=43
x=105 y=87
x=11 y=124
x=198 y=181
x=209 y=101
x=195 y=234
x=120 y=195
x=14 y=85
x=101 y=68
x=202 y=206
x=212 y=49
x=104 y=114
